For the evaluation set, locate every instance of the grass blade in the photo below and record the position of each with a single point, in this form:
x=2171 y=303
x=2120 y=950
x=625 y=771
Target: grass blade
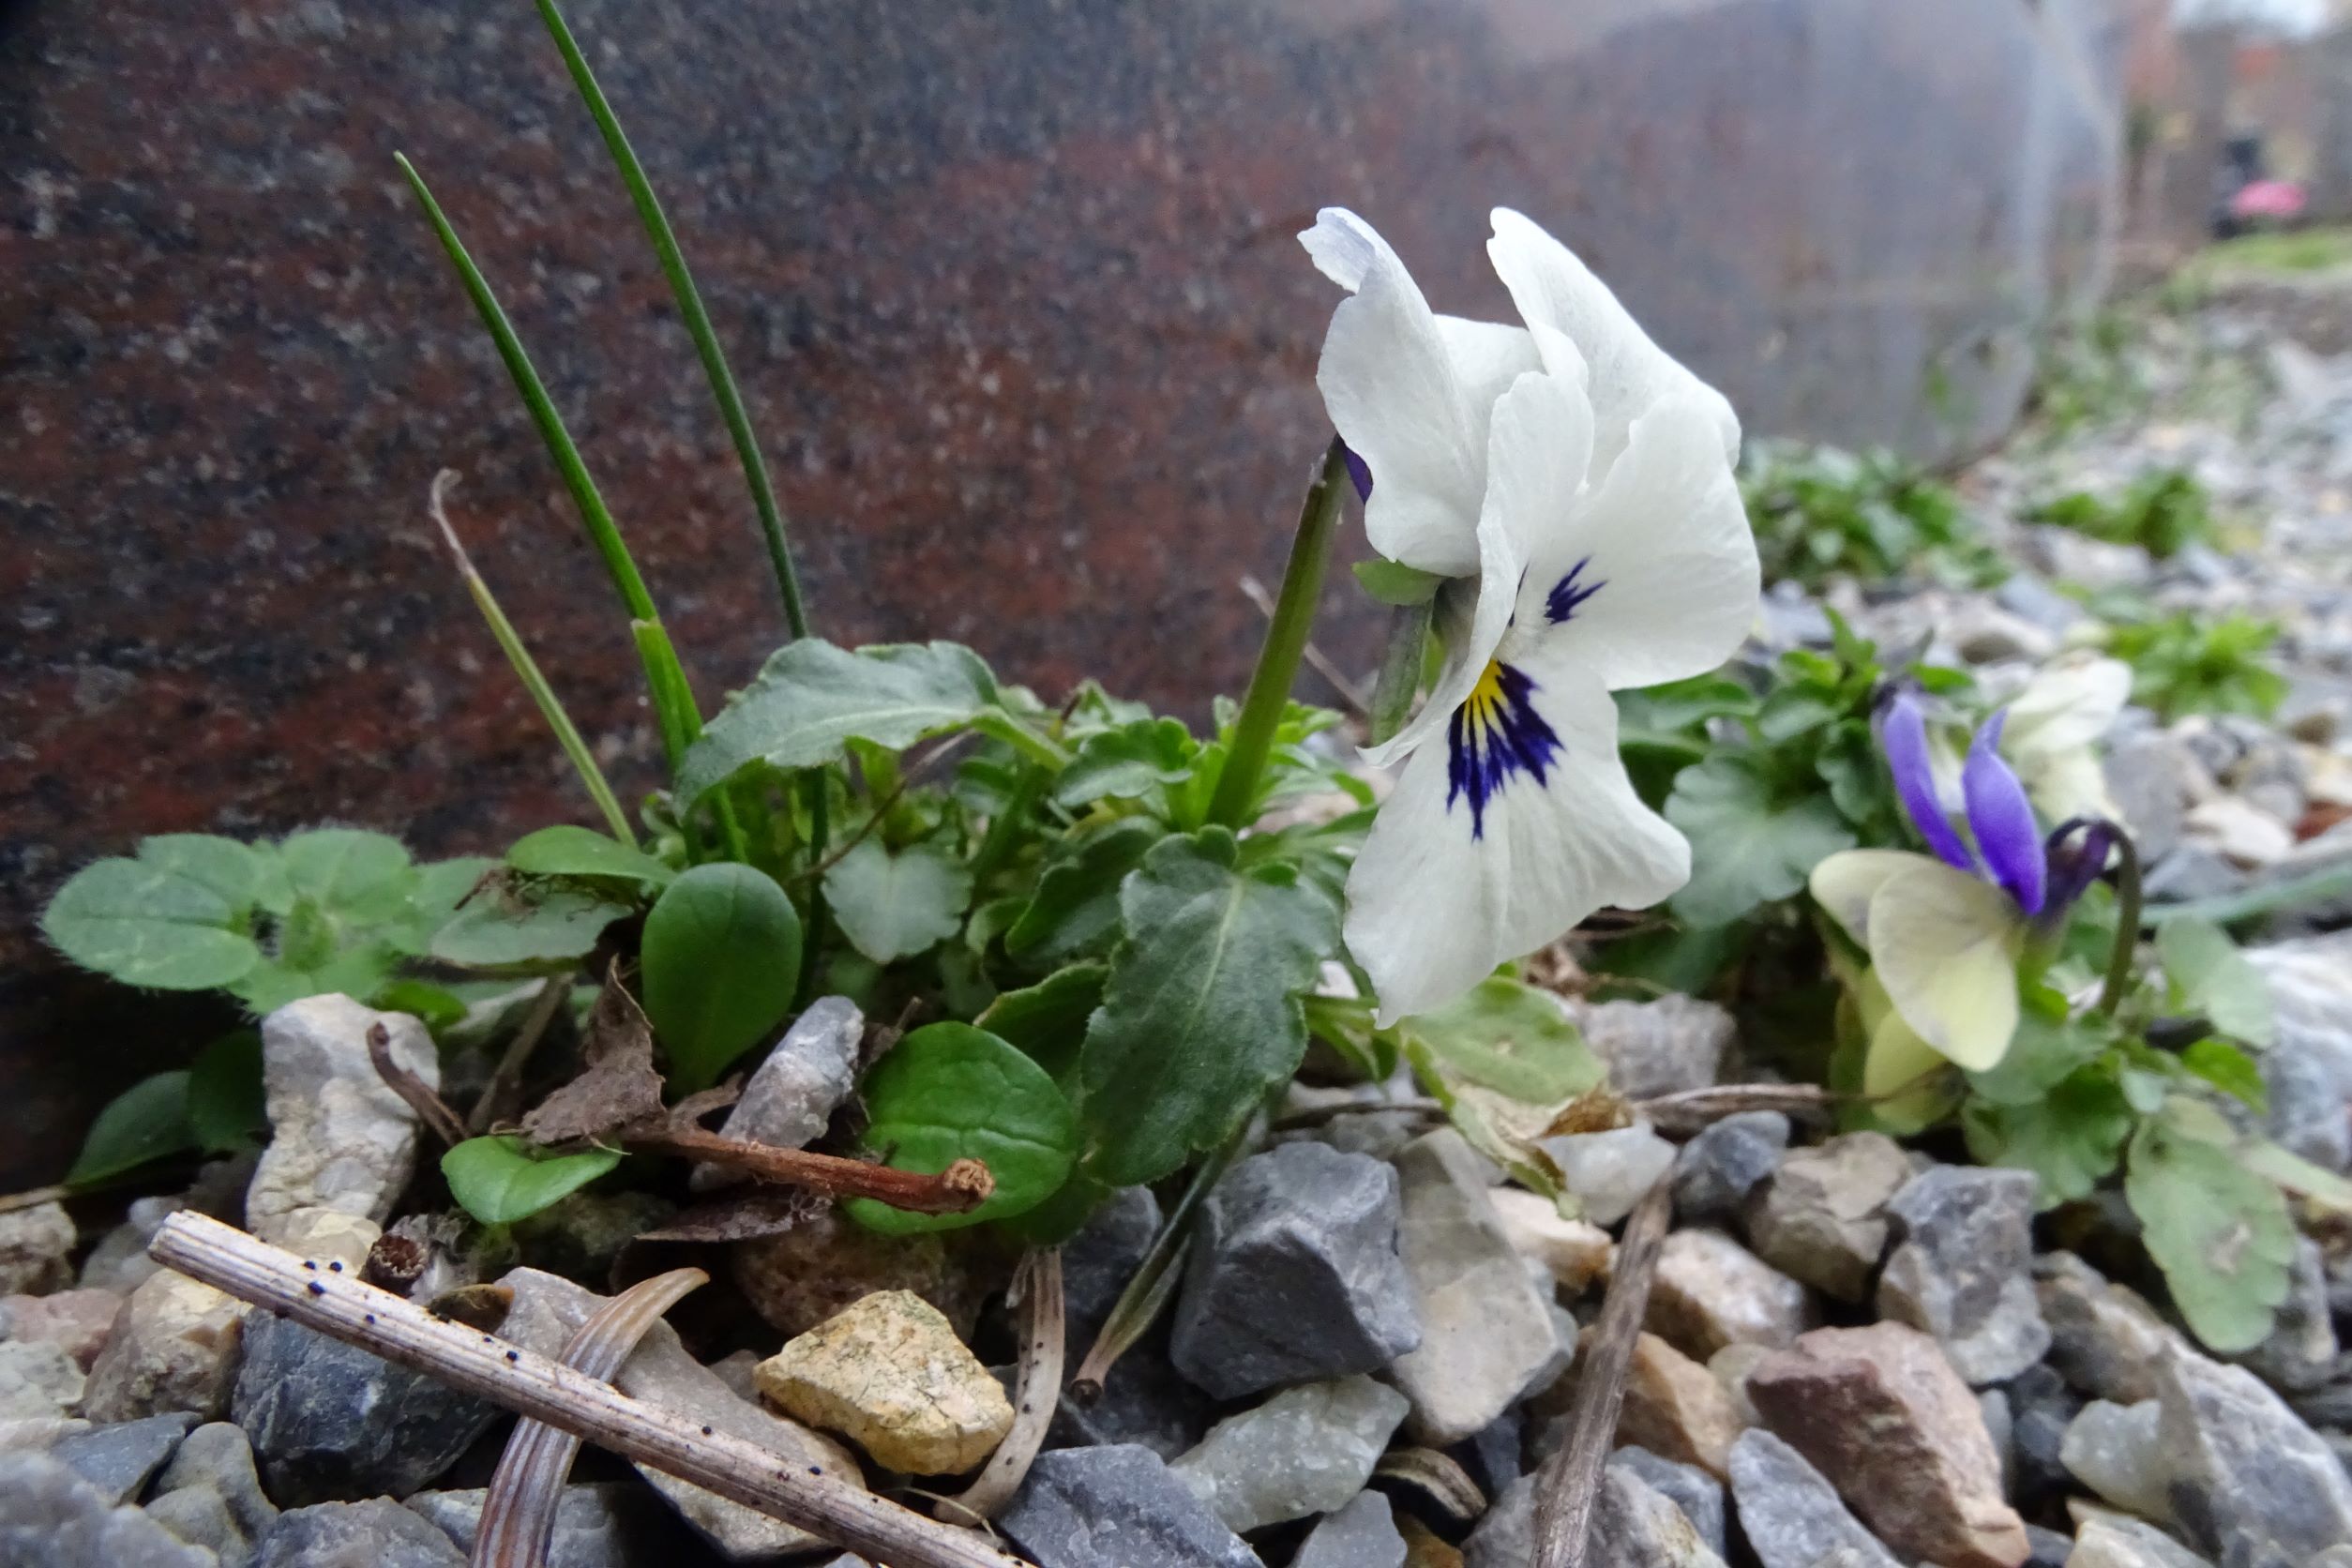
x=668 y=685
x=566 y=735
x=697 y=320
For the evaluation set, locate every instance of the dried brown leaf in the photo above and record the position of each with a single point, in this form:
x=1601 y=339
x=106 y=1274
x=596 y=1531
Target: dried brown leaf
x=617 y=1087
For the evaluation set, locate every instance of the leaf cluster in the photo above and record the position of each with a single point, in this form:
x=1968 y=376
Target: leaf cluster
x=2164 y=513
x=2189 y=663
x=1821 y=512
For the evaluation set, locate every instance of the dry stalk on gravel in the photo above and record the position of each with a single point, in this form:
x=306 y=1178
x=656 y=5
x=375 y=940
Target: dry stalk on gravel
x=1037 y=1394
x=337 y=1305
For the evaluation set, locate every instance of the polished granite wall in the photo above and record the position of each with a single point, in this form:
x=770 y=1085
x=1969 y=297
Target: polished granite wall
x=1012 y=289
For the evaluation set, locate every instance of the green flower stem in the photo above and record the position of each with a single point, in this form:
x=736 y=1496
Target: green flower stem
x=819 y=913
x=1401 y=670
x=681 y=723
x=697 y=320
x=667 y=681
x=2127 y=926
x=566 y=735
x=1006 y=831
x=1285 y=644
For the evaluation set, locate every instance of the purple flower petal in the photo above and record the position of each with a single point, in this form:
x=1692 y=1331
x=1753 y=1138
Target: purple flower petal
x=1904 y=736
x=2076 y=863
x=1358 y=469
x=2001 y=819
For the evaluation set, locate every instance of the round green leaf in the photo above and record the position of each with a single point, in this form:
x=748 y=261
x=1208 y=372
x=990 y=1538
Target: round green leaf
x=893 y=904
x=149 y=926
x=721 y=958
x=567 y=851
x=2220 y=1231
x=501 y=1179
x=950 y=1092
x=226 y=1109
x=238 y=873
x=146 y=1122
x=355 y=876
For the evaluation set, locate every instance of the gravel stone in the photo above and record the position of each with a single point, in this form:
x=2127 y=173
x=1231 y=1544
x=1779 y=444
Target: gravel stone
x=52 y=1518
x=1962 y=1270
x=1697 y=1494
x=890 y=1375
x=119 y=1460
x=792 y=1095
x=1710 y=1292
x=38 y=1381
x=340 y=1138
x=1306 y=1451
x=35 y=1250
x=1091 y=1507
x=1791 y=1516
x=1821 y=1218
x=376 y=1533
x=1360 y=1535
x=1718 y=1169
x=1661 y=1046
x=2251 y=1485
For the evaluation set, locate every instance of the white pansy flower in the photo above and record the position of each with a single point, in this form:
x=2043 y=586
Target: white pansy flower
x=2055 y=723
x=1594 y=489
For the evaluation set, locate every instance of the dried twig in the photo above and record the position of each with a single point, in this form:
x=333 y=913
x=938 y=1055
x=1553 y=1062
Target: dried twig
x=1566 y=1488
x=430 y=1108
x=340 y=1307
x=519 y=1509
x=507 y=1076
x=963 y=1185
x=36 y=1197
x=1036 y=1396
x=1691 y=1111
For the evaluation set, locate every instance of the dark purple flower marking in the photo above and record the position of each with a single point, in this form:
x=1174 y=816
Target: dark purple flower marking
x=1495 y=733
x=1568 y=592
x=1358 y=471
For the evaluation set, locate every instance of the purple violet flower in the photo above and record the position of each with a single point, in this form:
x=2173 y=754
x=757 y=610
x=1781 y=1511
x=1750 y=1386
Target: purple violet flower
x=2008 y=846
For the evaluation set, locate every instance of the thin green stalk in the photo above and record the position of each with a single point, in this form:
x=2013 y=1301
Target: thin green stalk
x=665 y=683
x=527 y=669
x=697 y=320
x=2127 y=925
x=1401 y=670
x=681 y=722
x=1286 y=642
x=819 y=913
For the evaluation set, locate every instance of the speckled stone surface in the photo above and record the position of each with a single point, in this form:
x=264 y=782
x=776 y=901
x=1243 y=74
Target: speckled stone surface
x=1012 y=290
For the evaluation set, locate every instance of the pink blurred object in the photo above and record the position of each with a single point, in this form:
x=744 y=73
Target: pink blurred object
x=2278 y=199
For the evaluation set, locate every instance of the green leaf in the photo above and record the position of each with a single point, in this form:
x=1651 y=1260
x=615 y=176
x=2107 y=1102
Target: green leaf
x=238 y=873
x=1747 y=847
x=1201 y=1015
x=440 y=888
x=146 y=1122
x=1686 y=704
x=721 y=961
x=358 y=973
x=149 y=926
x=950 y=1092
x=893 y=904
x=812 y=698
x=2071 y=1140
x=1049 y=1020
x=525 y=927
x=2229 y=1070
x=1127 y=763
x=441 y=1008
x=1392 y=582
x=2211 y=978
x=2045 y=1051
x=501 y=1179
x=1508 y=1036
x=226 y=1110
x=355 y=876
x=567 y=851
x=2220 y=1231
x=1076 y=908
x=2298 y=1175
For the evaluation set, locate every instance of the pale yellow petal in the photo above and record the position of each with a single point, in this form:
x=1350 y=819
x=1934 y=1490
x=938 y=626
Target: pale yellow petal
x=1844 y=885
x=1946 y=946
x=1907 y=1081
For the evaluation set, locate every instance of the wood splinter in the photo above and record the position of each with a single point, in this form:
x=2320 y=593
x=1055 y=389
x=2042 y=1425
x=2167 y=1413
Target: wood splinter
x=962 y=1186
x=403 y=1333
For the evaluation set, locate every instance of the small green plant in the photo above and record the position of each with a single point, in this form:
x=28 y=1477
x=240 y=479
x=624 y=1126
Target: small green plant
x=1821 y=512
x=2188 y=662
x=2164 y=513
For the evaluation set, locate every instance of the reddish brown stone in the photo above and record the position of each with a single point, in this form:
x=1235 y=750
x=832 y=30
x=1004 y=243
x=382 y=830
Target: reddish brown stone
x=76 y=1322
x=1881 y=1413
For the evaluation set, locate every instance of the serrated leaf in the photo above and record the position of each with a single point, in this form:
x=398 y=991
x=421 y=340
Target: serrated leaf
x=950 y=1092
x=146 y=1122
x=2071 y=1140
x=893 y=904
x=1047 y=1020
x=2211 y=978
x=506 y=926
x=149 y=926
x=356 y=876
x=238 y=873
x=1076 y=907
x=812 y=698
x=1508 y=1036
x=501 y=1179
x=721 y=961
x=2045 y=1051
x=1127 y=763
x=2220 y=1231
x=1747 y=847
x=2229 y=1070
x=569 y=851
x=1201 y=1015
x=226 y=1110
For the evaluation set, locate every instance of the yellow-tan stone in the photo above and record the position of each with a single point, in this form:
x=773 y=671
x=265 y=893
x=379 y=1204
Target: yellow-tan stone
x=889 y=1374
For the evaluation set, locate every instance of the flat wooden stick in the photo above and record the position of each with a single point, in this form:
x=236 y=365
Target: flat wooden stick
x=1572 y=1479
x=340 y=1307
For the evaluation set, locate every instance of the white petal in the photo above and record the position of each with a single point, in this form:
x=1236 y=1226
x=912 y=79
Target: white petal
x=1946 y=946
x=1844 y=885
x=2068 y=704
x=1433 y=907
x=1395 y=397
x=1655 y=571
x=1561 y=300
